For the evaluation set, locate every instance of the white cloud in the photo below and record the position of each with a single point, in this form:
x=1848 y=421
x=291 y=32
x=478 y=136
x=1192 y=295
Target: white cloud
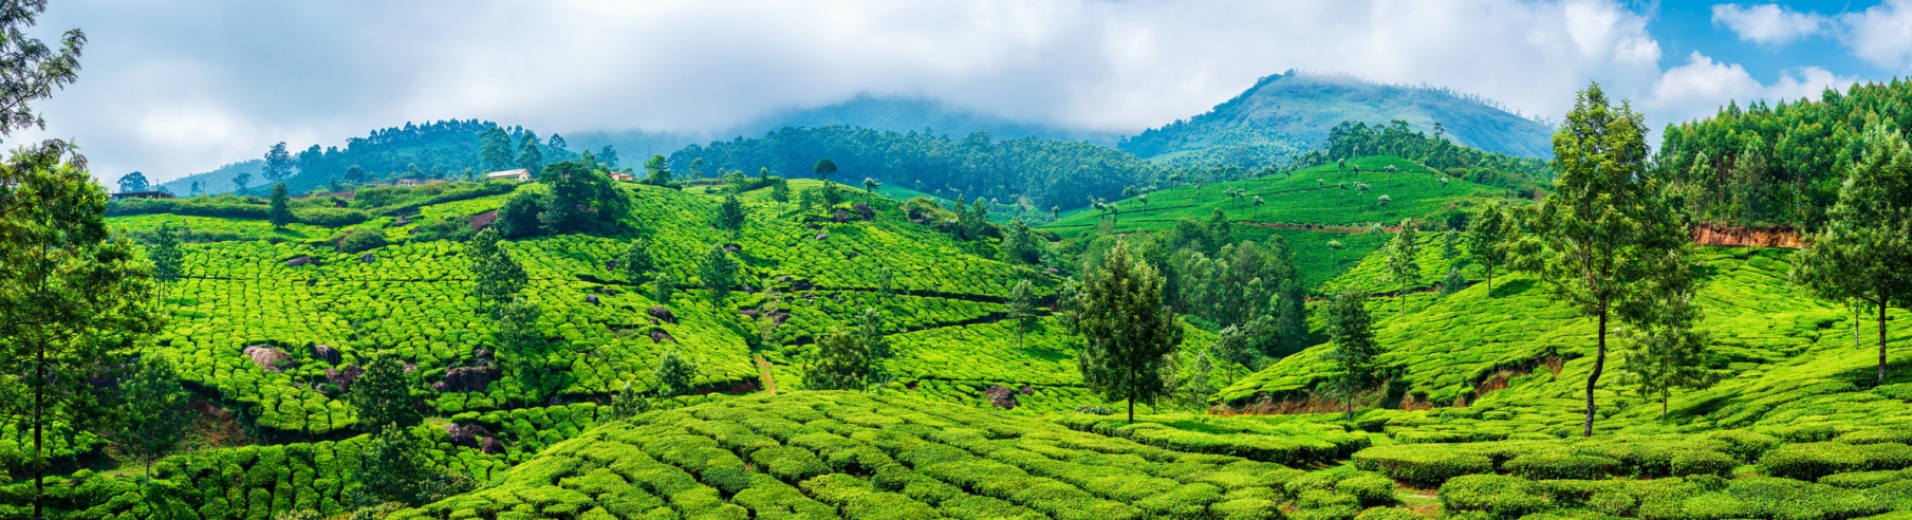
x=1882 y=34
x=1699 y=87
x=1769 y=24
x=247 y=75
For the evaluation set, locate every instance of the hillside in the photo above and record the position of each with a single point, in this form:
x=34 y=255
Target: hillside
x=1286 y=114
x=1307 y=208
x=434 y=150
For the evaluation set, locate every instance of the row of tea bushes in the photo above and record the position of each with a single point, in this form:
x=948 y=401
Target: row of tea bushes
x=1262 y=438
x=1428 y=465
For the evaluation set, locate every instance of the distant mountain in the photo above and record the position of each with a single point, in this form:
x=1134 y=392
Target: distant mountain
x=883 y=113
x=217 y=181
x=1285 y=114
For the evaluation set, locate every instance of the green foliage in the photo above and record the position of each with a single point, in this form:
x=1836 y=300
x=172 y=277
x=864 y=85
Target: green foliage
x=730 y=215
x=395 y=470
x=1354 y=348
x=1128 y=328
x=627 y=403
x=151 y=410
x=581 y=200
x=497 y=277
x=279 y=214
x=636 y=261
x=1401 y=251
x=1022 y=309
x=359 y=241
x=1498 y=496
x=840 y=362
x=1487 y=234
x=675 y=373
x=518 y=218
x=1862 y=251
x=383 y=398
x=521 y=347
x=718 y=272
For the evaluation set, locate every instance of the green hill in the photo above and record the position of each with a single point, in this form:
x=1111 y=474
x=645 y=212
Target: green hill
x=1286 y=114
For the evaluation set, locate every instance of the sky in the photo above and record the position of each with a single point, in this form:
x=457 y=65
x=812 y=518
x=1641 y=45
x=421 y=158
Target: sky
x=179 y=87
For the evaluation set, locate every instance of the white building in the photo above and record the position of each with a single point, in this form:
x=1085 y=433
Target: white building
x=520 y=175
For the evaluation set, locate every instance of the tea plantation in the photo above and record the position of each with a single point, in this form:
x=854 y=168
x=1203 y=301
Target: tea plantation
x=1478 y=416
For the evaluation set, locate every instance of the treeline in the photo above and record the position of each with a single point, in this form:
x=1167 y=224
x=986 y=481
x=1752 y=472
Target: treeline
x=1045 y=172
x=454 y=149
x=1778 y=165
x=1352 y=139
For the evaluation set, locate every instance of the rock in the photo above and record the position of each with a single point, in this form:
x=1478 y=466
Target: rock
x=303 y=260
x=481 y=355
x=325 y=353
x=410 y=367
x=733 y=248
x=802 y=285
x=610 y=265
x=752 y=313
x=1001 y=397
x=469 y=379
x=467 y=435
x=344 y=378
x=863 y=210
x=1025 y=390
x=269 y=358
x=491 y=446
x=812 y=225
x=368 y=258
x=659 y=312
x=785 y=279
x=1052 y=270
x=483 y=220
x=823 y=235
x=658 y=336
x=591 y=299
x=851 y=255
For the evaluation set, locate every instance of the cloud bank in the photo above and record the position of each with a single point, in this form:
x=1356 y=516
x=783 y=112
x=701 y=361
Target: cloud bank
x=185 y=86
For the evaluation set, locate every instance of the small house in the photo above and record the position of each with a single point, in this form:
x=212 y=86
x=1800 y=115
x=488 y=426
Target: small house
x=623 y=177
x=145 y=194
x=519 y=175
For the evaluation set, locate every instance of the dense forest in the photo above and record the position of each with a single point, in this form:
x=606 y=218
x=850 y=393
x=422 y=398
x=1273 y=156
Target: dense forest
x=1047 y=172
x=1352 y=139
x=451 y=149
x=1777 y=165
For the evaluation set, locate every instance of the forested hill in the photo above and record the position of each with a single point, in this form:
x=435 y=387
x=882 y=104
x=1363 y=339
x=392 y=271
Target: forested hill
x=439 y=149
x=1047 y=172
x=1777 y=165
x=1286 y=114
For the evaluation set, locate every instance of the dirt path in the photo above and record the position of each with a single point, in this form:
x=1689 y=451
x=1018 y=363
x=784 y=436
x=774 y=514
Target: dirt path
x=769 y=383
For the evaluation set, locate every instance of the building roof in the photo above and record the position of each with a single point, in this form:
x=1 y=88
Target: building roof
x=147 y=194
x=518 y=173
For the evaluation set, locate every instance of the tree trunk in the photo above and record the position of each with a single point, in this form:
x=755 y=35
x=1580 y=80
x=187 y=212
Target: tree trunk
x=1599 y=362
x=1883 y=299
x=1131 y=394
x=1663 y=399
x=1855 y=324
x=1490 y=281
x=39 y=408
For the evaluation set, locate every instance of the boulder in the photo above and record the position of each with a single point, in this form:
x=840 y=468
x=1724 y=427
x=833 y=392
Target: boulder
x=591 y=299
x=368 y=258
x=863 y=210
x=823 y=235
x=1001 y=397
x=481 y=355
x=469 y=379
x=733 y=248
x=802 y=285
x=1025 y=390
x=344 y=378
x=483 y=220
x=269 y=358
x=658 y=336
x=491 y=446
x=325 y=353
x=661 y=313
x=467 y=435
x=752 y=313
x=303 y=260
x=851 y=255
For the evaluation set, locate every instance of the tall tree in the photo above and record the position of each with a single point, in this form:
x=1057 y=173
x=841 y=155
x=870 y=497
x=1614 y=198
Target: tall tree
x=74 y=299
x=1486 y=234
x=636 y=260
x=824 y=169
x=495 y=148
x=383 y=397
x=675 y=373
x=1352 y=331
x=521 y=347
x=496 y=277
x=1665 y=352
x=658 y=171
x=719 y=272
x=869 y=335
x=1130 y=331
x=730 y=215
x=840 y=362
x=1402 y=266
x=278 y=163
x=280 y=212
x=869 y=187
x=355 y=174
x=168 y=261
x=242 y=180
x=581 y=200
x=1022 y=309
x=132 y=182
x=1864 y=249
x=1602 y=237
x=529 y=156
x=152 y=412
x=1019 y=243
x=395 y=468
x=608 y=156
x=520 y=217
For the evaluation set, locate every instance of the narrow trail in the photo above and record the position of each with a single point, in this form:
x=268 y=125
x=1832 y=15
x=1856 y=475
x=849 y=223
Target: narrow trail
x=769 y=382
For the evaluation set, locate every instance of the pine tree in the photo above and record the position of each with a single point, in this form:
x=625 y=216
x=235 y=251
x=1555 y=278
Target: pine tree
x=1450 y=244
x=168 y=261
x=1352 y=331
x=395 y=468
x=279 y=214
x=1129 y=330
x=869 y=334
x=1402 y=266
x=1664 y=352
x=383 y=396
x=530 y=157
x=661 y=288
x=1453 y=282
x=628 y=403
x=730 y=215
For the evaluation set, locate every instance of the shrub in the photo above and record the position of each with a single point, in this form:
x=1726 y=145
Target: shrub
x=1497 y=495
x=1809 y=461
x=1560 y=464
x=1745 y=445
x=1370 y=489
x=1703 y=462
x=330 y=217
x=1389 y=513
x=359 y=241
x=1419 y=466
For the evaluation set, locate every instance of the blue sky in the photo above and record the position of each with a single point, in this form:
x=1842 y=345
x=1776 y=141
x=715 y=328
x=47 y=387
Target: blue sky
x=180 y=87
